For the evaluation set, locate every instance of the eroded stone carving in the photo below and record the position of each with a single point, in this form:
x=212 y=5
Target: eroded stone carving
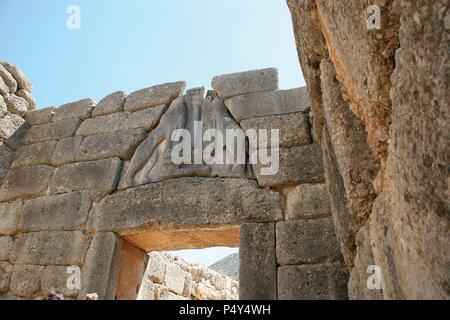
x=152 y=160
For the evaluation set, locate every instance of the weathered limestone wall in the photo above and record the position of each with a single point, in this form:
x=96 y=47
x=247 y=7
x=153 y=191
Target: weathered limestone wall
x=168 y=277
x=15 y=101
x=380 y=104
x=93 y=186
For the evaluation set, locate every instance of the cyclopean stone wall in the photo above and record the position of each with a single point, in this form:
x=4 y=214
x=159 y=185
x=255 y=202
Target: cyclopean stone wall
x=169 y=277
x=380 y=103
x=15 y=101
x=92 y=186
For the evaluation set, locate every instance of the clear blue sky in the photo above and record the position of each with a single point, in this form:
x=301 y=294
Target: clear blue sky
x=131 y=44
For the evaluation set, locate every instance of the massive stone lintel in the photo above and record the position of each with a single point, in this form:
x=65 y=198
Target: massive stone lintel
x=185 y=202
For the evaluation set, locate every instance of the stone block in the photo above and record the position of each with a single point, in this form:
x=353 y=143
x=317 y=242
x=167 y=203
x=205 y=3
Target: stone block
x=26 y=280
x=5 y=276
x=235 y=84
x=65 y=151
x=217 y=202
x=19 y=76
x=9 y=124
x=258 y=266
x=112 y=103
x=63 y=212
x=100 y=269
x=156 y=269
x=16 y=105
x=81 y=109
x=8 y=79
x=293 y=128
x=103 y=124
x=100 y=177
x=147 y=291
x=307 y=241
x=10 y=217
x=308 y=201
x=154 y=96
x=52 y=131
x=34 y=154
x=147 y=119
x=28 y=98
x=4 y=90
x=174 y=278
x=55 y=278
x=302 y=164
x=263 y=104
x=6 y=158
x=120 y=144
x=55 y=248
x=6 y=244
x=312 y=282
x=25 y=182
x=41 y=116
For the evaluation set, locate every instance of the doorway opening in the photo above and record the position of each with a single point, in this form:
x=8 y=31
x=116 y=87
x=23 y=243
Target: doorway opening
x=195 y=264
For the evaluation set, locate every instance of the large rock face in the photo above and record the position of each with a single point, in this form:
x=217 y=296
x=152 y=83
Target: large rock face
x=379 y=97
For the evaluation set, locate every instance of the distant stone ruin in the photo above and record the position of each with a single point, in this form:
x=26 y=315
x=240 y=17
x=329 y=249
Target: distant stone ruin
x=169 y=277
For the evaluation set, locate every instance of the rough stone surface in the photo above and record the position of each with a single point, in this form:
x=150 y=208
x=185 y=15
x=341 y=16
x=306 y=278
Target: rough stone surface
x=311 y=50
x=293 y=128
x=162 y=94
x=19 y=76
x=6 y=244
x=265 y=104
x=54 y=248
x=357 y=284
x=118 y=144
x=308 y=201
x=65 y=151
x=6 y=158
x=80 y=109
x=16 y=105
x=9 y=125
x=26 y=280
x=156 y=269
x=51 y=213
x=100 y=177
x=8 y=79
x=312 y=282
x=147 y=119
x=100 y=270
x=302 y=164
x=112 y=103
x=54 y=279
x=356 y=163
x=257 y=262
x=22 y=93
x=217 y=202
x=25 y=182
x=240 y=83
x=344 y=224
x=34 y=154
x=5 y=276
x=52 y=131
x=41 y=116
x=9 y=217
x=174 y=278
x=306 y=242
